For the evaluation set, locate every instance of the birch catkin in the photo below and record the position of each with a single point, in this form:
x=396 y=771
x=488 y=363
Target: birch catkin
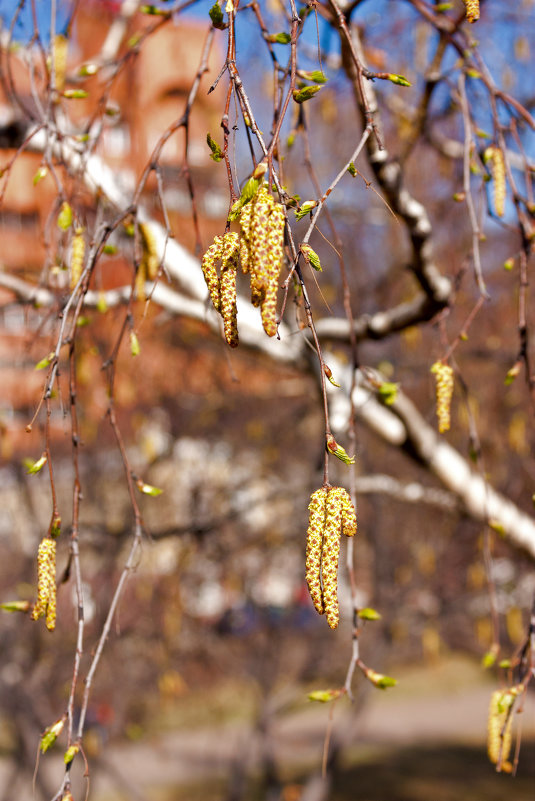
x=472 y=10
x=444 y=393
x=77 y=256
x=494 y=155
x=316 y=526
x=46 y=583
x=499 y=734
x=331 y=513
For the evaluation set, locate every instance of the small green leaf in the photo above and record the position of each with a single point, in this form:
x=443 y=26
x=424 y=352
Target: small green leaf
x=305 y=209
x=70 y=753
x=367 y=613
x=51 y=734
x=134 y=344
x=45 y=362
x=324 y=696
x=153 y=11
x=249 y=190
x=306 y=93
x=337 y=450
x=216 y=15
x=488 y=659
x=34 y=467
x=508 y=264
x=16 y=606
x=441 y=7
x=83 y=320
x=317 y=76
x=512 y=373
x=102 y=305
x=148 y=489
x=388 y=392
x=278 y=38
x=379 y=680
x=352 y=170
x=398 y=79
x=217 y=153
x=498 y=527
x=64 y=220
x=134 y=40
x=311 y=257
x=109 y=250
x=505 y=664
x=87 y=70
x=75 y=94
x=41 y=173
x=472 y=73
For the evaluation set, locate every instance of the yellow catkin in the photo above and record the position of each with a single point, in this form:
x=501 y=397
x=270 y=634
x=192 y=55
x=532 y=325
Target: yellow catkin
x=150 y=250
x=330 y=555
x=274 y=263
x=472 y=10
x=497 y=168
x=77 y=256
x=316 y=526
x=209 y=269
x=59 y=56
x=349 y=516
x=444 y=393
x=499 y=735
x=46 y=583
x=228 y=304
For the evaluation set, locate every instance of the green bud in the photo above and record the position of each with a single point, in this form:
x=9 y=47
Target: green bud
x=488 y=659
x=398 y=79
x=45 y=362
x=41 y=173
x=306 y=93
x=134 y=344
x=75 y=94
x=217 y=153
x=148 y=489
x=316 y=76
x=35 y=467
x=324 y=696
x=278 y=38
x=64 y=220
x=311 y=257
x=388 y=392
x=16 y=606
x=51 y=734
x=368 y=614
x=352 y=170
x=305 y=209
x=216 y=15
x=70 y=753
x=249 y=190
x=337 y=450
x=153 y=11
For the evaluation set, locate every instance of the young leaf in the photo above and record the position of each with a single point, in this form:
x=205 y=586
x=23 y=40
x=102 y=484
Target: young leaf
x=367 y=613
x=41 y=173
x=305 y=209
x=352 y=170
x=388 y=392
x=324 y=696
x=75 y=94
x=337 y=450
x=16 y=606
x=64 y=220
x=134 y=344
x=216 y=15
x=306 y=93
x=249 y=190
x=316 y=76
x=51 y=734
x=148 y=489
x=217 y=153
x=398 y=79
x=45 y=362
x=69 y=755
x=311 y=257
x=278 y=38
x=35 y=467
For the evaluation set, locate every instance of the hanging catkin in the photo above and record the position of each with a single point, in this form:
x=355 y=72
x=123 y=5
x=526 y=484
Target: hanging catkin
x=444 y=393
x=331 y=513
x=472 y=10
x=46 y=583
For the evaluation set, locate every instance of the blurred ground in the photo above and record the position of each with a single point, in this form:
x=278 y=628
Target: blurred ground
x=422 y=741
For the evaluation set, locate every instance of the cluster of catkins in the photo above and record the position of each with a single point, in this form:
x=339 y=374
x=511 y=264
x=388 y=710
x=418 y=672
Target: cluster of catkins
x=444 y=393
x=46 y=583
x=331 y=514
x=260 y=248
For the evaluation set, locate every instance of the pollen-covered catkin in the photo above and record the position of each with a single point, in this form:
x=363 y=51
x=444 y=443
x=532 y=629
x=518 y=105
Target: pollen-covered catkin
x=499 y=735
x=276 y=222
x=316 y=525
x=330 y=555
x=150 y=250
x=472 y=10
x=227 y=288
x=444 y=393
x=46 y=583
x=349 y=515
x=77 y=256
x=209 y=269
x=59 y=56
x=497 y=169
